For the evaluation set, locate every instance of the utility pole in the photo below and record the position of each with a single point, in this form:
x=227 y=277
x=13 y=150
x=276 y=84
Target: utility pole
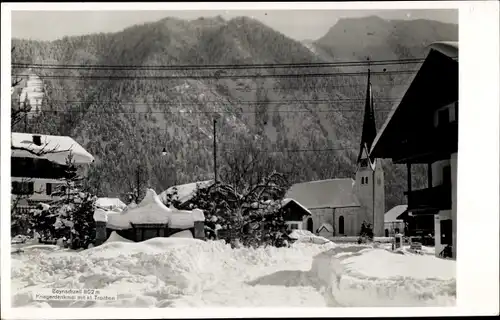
x=138 y=183
x=215 y=150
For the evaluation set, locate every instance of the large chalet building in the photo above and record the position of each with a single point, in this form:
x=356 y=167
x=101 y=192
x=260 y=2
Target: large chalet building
x=423 y=130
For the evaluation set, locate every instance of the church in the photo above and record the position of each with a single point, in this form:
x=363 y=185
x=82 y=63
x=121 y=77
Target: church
x=339 y=206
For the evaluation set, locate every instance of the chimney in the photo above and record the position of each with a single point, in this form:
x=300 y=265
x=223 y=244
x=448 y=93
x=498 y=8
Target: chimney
x=37 y=140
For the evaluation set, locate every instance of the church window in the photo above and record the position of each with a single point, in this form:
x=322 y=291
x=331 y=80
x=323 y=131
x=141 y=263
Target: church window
x=341 y=225
x=366 y=180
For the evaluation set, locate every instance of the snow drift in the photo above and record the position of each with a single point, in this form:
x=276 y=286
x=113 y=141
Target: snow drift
x=181 y=272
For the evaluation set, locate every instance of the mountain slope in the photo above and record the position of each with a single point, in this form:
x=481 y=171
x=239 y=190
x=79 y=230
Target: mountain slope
x=126 y=117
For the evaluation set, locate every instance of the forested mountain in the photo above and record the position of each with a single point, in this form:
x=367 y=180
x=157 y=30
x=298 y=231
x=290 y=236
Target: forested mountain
x=126 y=116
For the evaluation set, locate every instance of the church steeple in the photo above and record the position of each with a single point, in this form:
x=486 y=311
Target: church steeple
x=369 y=129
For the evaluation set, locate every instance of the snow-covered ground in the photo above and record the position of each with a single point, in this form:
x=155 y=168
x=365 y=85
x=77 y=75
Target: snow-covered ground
x=181 y=272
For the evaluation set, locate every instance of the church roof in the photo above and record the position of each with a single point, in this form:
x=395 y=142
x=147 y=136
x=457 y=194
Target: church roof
x=393 y=214
x=332 y=193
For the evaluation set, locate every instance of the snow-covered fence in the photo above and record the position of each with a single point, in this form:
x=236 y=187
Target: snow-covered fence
x=355 y=239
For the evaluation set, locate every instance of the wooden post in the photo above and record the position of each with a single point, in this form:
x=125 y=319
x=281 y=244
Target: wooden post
x=199 y=230
x=100 y=232
x=215 y=150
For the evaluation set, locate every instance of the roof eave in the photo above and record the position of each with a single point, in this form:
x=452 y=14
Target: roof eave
x=335 y=207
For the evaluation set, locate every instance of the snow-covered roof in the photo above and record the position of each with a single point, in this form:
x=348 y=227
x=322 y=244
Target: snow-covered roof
x=286 y=201
x=325 y=226
x=110 y=203
x=100 y=215
x=332 y=193
x=185 y=191
x=62 y=145
x=393 y=214
x=149 y=210
x=152 y=211
x=449 y=48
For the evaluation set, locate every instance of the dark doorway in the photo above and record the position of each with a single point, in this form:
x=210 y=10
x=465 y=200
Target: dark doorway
x=446 y=229
x=310 y=224
x=386 y=233
x=341 y=225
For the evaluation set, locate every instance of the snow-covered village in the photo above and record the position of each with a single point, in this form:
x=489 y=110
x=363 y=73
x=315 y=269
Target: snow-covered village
x=199 y=160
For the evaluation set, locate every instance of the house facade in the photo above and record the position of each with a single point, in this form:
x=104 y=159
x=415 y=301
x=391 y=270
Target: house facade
x=423 y=130
x=38 y=164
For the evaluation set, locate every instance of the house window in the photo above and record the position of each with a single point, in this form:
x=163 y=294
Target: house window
x=22 y=188
x=366 y=180
x=443 y=116
x=294 y=226
x=48 y=188
x=341 y=225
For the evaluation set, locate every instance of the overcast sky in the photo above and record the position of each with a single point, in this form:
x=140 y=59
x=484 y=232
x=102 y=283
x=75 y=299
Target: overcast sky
x=297 y=24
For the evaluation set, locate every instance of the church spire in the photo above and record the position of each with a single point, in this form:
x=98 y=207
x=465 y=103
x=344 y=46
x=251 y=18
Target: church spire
x=369 y=129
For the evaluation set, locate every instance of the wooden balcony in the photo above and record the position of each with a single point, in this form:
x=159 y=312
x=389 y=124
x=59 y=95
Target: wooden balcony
x=436 y=144
x=434 y=198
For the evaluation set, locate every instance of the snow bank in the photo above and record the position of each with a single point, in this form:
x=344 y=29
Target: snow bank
x=183 y=234
x=115 y=237
x=381 y=263
x=181 y=272
x=307 y=236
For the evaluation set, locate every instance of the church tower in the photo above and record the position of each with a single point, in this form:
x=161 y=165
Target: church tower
x=369 y=186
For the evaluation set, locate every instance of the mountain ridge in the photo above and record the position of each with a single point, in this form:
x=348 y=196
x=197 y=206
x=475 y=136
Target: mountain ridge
x=127 y=123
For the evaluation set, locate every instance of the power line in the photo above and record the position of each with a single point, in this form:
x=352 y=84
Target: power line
x=297 y=150
x=218 y=66
x=276 y=87
x=207 y=112
x=250 y=76
x=236 y=102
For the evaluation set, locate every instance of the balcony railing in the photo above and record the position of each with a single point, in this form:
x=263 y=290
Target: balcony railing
x=434 y=198
x=436 y=144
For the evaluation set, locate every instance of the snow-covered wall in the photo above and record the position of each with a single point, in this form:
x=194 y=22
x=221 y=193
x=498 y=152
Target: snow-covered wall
x=151 y=210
